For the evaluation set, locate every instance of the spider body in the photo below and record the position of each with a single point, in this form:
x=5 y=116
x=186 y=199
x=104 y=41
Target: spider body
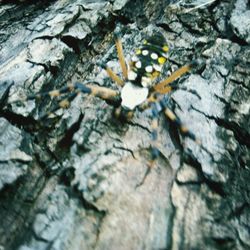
x=145 y=66
x=138 y=88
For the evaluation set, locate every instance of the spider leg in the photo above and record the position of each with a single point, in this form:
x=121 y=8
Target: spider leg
x=104 y=93
x=120 y=54
x=54 y=93
x=163 y=87
x=123 y=114
x=157 y=105
x=64 y=103
x=184 y=130
x=154 y=141
x=101 y=92
x=155 y=99
x=72 y=90
x=178 y=87
x=112 y=74
x=109 y=95
x=154 y=135
x=176 y=120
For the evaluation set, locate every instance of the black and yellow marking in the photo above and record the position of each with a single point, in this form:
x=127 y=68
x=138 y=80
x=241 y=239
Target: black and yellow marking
x=138 y=51
x=162 y=60
x=165 y=48
x=151 y=53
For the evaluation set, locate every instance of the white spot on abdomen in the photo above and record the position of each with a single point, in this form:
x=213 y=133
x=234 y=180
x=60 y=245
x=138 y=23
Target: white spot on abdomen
x=146 y=81
x=154 y=56
x=149 y=69
x=132 y=75
x=138 y=64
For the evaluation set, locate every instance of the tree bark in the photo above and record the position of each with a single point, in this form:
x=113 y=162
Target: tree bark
x=76 y=180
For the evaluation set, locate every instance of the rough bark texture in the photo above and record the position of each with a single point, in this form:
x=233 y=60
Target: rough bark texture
x=74 y=181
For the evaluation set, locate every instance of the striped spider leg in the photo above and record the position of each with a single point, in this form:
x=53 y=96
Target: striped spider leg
x=69 y=92
x=157 y=104
x=144 y=68
x=162 y=104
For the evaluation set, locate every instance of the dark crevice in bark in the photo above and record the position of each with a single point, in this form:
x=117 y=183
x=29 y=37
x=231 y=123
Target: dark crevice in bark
x=67 y=176
x=239 y=210
x=67 y=141
x=73 y=43
x=166 y=27
x=139 y=126
x=28 y=123
x=122 y=19
x=126 y=149
x=189 y=183
x=47 y=68
x=5 y=95
x=134 y=16
x=235 y=39
x=88 y=206
x=175 y=136
x=170 y=229
x=216 y=187
x=224 y=243
x=19 y=198
x=68 y=40
x=240 y=83
x=241 y=135
x=91 y=207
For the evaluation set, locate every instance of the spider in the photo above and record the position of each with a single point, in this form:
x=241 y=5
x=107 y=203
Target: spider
x=138 y=88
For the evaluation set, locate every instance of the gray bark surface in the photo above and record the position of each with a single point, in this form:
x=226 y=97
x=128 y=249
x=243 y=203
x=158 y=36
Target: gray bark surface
x=74 y=181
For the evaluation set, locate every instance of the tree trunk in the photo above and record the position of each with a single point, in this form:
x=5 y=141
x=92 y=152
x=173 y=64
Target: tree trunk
x=79 y=179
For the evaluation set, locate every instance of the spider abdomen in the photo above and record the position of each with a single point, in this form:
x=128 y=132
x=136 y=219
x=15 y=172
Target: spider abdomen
x=146 y=64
